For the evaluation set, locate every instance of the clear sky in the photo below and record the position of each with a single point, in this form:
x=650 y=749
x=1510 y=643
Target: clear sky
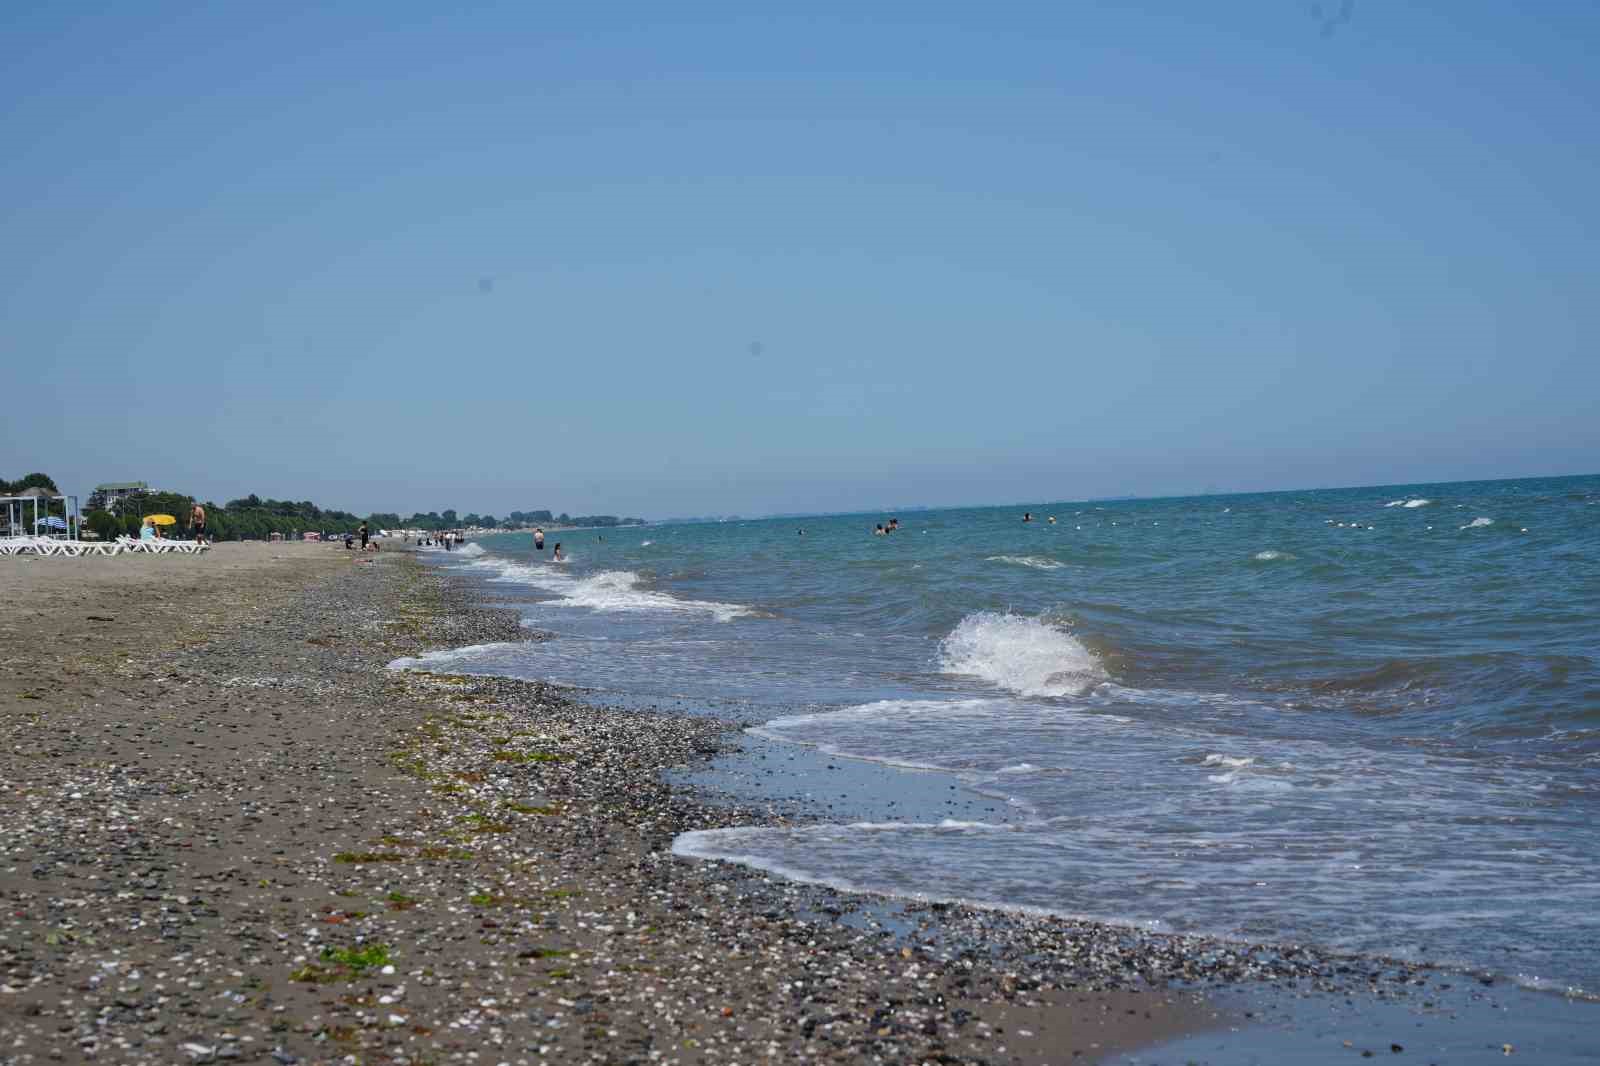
x=667 y=259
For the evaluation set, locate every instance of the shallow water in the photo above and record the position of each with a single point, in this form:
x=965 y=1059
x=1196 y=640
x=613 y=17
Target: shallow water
x=1363 y=718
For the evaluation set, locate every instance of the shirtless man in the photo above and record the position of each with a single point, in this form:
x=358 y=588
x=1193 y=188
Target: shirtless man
x=197 y=519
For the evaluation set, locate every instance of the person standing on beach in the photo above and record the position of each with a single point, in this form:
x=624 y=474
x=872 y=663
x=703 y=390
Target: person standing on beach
x=538 y=539
x=363 y=532
x=197 y=519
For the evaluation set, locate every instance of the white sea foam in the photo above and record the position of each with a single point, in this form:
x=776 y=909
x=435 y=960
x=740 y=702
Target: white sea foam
x=1035 y=561
x=1418 y=503
x=1022 y=654
x=1252 y=782
x=1270 y=554
x=471 y=551
x=1395 y=503
x=1478 y=523
x=432 y=661
x=1233 y=761
x=646 y=543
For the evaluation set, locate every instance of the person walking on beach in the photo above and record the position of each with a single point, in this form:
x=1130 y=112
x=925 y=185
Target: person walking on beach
x=538 y=539
x=363 y=532
x=197 y=520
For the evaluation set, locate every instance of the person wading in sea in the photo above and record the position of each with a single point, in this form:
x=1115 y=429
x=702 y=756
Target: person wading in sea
x=538 y=539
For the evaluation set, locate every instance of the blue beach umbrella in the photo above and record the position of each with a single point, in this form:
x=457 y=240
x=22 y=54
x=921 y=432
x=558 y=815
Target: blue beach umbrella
x=52 y=522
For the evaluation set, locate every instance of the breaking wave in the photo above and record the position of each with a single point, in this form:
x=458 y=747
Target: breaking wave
x=1021 y=654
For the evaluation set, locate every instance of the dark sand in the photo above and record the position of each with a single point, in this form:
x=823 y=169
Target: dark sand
x=229 y=833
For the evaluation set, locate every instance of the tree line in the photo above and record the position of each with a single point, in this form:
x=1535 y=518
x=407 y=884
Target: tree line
x=515 y=520
x=253 y=518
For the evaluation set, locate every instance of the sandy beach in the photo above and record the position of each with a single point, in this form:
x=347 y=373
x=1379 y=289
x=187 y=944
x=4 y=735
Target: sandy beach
x=231 y=833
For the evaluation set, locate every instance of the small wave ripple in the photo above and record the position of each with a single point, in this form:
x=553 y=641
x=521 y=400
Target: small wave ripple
x=1034 y=561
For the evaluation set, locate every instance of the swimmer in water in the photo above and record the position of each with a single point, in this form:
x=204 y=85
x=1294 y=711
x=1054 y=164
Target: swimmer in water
x=538 y=539
x=1051 y=519
x=878 y=530
x=558 y=556
x=1027 y=516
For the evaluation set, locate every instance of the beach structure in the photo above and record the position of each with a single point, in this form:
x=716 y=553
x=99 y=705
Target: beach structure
x=29 y=514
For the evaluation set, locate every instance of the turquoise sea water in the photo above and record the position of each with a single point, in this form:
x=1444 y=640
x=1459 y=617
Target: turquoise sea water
x=1363 y=718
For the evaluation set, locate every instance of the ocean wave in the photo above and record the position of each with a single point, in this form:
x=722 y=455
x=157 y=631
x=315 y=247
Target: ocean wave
x=1035 y=561
x=471 y=551
x=607 y=590
x=1022 y=654
x=822 y=729
x=1478 y=523
x=618 y=590
x=1272 y=554
x=742 y=845
x=1418 y=503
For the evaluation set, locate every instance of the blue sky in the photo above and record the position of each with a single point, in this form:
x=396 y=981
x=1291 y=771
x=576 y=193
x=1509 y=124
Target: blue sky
x=672 y=259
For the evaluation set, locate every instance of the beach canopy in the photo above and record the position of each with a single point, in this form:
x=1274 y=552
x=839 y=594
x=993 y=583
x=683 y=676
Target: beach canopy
x=51 y=522
x=161 y=519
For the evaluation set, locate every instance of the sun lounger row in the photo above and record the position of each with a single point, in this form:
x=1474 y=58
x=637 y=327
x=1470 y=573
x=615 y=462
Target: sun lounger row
x=52 y=546
x=157 y=546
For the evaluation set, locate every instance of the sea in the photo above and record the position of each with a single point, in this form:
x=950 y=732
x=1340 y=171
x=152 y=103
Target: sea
x=1364 y=719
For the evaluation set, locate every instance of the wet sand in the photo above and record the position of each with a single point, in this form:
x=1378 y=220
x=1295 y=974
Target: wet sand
x=230 y=833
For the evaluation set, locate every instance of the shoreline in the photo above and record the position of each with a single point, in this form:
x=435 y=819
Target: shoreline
x=233 y=834
x=1272 y=999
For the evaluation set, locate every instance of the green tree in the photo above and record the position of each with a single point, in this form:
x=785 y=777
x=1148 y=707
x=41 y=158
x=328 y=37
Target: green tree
x=35 y=481
x=104 y=523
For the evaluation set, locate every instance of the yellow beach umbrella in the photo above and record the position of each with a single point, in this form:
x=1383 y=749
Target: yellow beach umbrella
x=161 y=519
